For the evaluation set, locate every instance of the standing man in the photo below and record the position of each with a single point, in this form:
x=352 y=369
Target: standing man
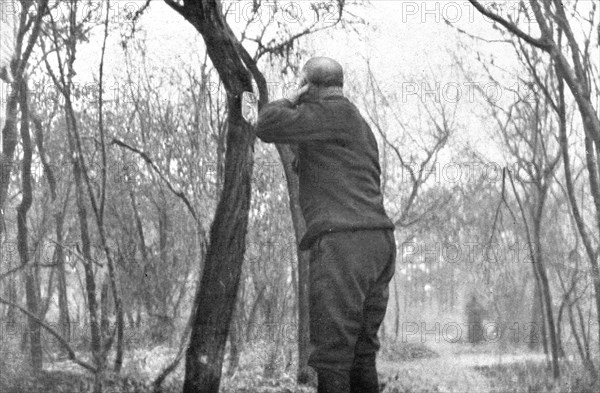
x=348 y=232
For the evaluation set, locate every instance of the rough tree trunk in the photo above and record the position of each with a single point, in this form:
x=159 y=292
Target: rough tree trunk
x=9 y=142
x=550 y=328
x=18 y=63
x=222 y=270
x=537 y=320
x=304 y=374
x=63 y=303
x=216 y=297
x=31 y=291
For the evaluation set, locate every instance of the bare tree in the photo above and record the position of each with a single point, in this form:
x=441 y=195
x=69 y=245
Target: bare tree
x=556 y=21
x=63 y=40
x=28 y=31
x=410 y=206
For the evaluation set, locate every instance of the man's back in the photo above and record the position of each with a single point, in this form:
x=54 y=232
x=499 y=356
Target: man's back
x=338 y=163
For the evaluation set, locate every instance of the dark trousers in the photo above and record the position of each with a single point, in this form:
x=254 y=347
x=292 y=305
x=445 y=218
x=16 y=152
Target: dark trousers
x=349 y=276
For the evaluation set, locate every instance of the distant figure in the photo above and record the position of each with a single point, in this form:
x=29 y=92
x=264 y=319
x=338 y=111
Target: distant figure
x=475 y=313
x=348 y=232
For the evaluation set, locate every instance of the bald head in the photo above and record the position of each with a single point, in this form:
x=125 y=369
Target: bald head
x=323 y=72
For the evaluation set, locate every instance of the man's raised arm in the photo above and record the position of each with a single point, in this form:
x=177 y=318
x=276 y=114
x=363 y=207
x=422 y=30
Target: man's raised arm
x=282 y=122
x=301 y=119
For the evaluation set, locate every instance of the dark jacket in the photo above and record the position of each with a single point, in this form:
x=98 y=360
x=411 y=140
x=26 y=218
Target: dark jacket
x=338 y=163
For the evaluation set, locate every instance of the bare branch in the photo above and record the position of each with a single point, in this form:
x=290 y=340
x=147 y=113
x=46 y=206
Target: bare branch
x=149 y=161
x=72 y=356
x=541 y=43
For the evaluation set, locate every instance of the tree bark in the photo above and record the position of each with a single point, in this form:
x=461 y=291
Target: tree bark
x=216 y=298
x=17 y=65
x=63 y=302
x=537 y=318
x=304 y=373
x=539 y=269
x=222 y=270
x=31 y=289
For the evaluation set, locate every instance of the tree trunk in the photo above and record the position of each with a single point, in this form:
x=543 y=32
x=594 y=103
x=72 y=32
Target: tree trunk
x=305 y=375
x=550 y=324
x=222 y=270
x=90 y=281
x=537 y=320
x=9 y=142
x=397 y=316
x=31 y=289
x=234 y=348
x=216 y=297
x=104 y=321
x=18 y=63
x=64 y=319
x=540 y=275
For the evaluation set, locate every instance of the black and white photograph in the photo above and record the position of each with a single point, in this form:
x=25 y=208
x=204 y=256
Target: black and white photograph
x=299 y=196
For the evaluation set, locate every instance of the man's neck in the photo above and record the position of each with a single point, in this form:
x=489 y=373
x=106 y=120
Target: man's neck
x=319 y=93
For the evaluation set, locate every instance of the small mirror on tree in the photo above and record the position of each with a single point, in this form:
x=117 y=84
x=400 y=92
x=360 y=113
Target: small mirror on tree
x=250 y=107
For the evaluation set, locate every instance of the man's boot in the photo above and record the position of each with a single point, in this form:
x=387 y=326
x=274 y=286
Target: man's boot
x=363 y=376
x=333 y=381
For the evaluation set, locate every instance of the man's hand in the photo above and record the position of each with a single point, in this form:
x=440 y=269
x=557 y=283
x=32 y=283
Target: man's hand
x=295 y=96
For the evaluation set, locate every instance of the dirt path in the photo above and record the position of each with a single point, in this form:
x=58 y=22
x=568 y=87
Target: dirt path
x=454 y=371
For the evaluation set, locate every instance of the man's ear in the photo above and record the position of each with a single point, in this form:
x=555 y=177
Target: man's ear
x=307 y=87
x=302 y=79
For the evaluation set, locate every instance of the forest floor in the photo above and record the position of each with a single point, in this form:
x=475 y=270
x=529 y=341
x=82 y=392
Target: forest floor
x=460 y=368
x=403 y=368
